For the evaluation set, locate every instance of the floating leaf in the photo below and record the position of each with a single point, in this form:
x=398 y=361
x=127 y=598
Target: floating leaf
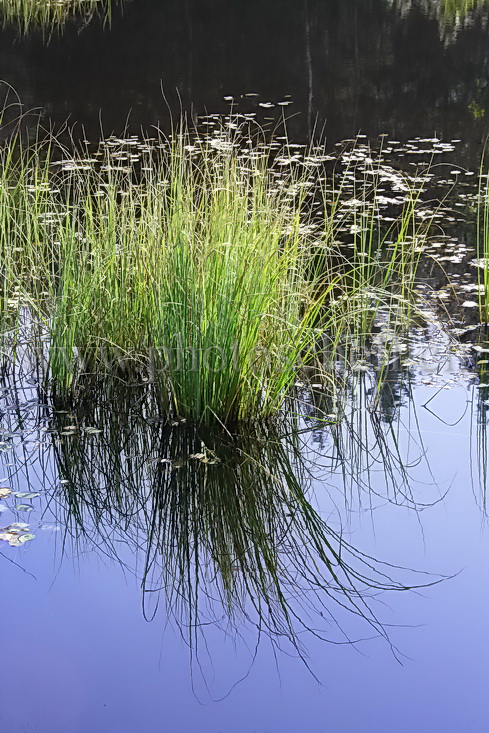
x=26 y=494
x=26 y=537
x=24 y=508
x=4 y=492
x=91 y=430
x=15 y=541
x=15 y=535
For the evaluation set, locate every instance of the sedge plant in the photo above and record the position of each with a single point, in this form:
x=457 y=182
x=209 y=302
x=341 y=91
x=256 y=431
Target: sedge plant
x=199 y=270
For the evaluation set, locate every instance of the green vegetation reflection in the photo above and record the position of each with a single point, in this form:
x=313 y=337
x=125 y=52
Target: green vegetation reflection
x=52 y=15
x=225 y=522
x=450 y=11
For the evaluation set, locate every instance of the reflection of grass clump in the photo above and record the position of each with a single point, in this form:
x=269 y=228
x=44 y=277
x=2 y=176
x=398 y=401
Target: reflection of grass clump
x=450 y=13
x=201 y=272
x=452 y=10
x=223 y=522
x=50 y=15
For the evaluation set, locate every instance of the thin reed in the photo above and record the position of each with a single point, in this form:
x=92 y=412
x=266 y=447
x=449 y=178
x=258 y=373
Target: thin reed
x=483 y=244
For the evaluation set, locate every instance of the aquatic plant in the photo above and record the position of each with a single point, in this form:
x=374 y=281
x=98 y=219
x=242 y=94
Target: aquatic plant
x=203 y=269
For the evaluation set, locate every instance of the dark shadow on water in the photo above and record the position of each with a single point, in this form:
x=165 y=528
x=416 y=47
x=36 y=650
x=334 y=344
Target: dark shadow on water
x=343 y=66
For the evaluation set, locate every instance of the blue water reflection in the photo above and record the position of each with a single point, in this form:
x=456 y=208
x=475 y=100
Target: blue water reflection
x=78 y=655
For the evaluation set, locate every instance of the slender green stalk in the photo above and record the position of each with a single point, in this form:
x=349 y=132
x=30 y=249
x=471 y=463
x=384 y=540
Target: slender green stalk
x=482 y=239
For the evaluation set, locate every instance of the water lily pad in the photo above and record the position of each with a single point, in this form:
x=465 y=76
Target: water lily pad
x=4 y=492
x=26 y=537
x=15 y=541
x=24 y=508
x=16 y=535
x=6 y=536
x=26 y=494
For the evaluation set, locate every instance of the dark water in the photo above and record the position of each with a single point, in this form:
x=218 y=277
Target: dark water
x=78 y=652
x=347 y=66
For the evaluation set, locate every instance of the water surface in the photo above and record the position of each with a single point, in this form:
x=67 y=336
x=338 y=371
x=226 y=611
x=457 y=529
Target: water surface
x=90 y=640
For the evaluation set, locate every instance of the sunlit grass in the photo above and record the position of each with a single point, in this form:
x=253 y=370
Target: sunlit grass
x=203 y=272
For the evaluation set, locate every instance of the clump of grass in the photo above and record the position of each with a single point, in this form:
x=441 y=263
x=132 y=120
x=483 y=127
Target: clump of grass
x=202 y=272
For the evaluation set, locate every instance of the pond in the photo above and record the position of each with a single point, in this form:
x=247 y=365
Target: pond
x=320 y=566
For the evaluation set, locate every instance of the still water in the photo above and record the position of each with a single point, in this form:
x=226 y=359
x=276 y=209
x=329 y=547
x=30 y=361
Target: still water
x=342 y=66
x=387 y=630
x=81 y=650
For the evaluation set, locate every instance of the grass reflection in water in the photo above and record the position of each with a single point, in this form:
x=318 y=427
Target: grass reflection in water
x=51 y=16
x=221 y=528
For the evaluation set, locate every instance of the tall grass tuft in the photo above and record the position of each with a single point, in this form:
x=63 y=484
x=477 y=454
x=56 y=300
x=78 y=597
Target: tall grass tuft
x=201 y=271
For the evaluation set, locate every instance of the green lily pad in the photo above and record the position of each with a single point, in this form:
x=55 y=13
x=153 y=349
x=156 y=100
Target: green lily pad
x=24 y=508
